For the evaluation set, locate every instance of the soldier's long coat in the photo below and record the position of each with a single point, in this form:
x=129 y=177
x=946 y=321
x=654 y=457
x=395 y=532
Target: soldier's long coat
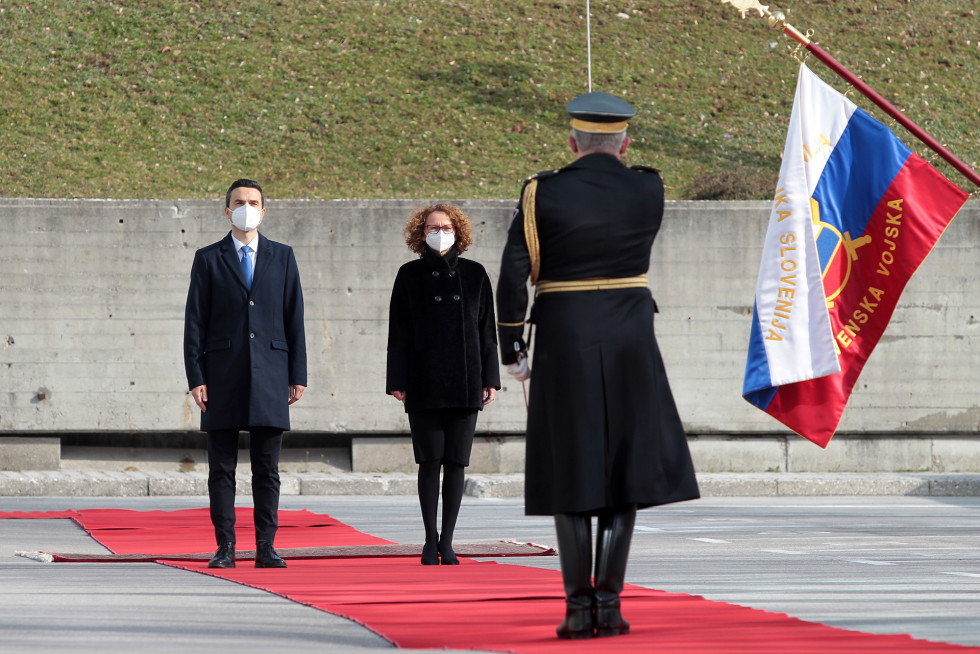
x=603 y=430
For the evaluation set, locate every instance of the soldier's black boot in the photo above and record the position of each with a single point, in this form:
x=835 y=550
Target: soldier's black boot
x=575 y=553
x=612 y=552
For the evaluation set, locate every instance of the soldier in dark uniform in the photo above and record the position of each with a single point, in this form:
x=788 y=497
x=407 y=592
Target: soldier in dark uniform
x=603 y=434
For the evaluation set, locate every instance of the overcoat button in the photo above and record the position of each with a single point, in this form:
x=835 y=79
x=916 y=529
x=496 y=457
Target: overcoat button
x=456 y=297
x=252 y=335
x=435 y=273
x=251 y=303
x=438 y=298
x=452 y=274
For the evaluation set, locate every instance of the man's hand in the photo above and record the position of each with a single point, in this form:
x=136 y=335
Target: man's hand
x=399 y=395
x=489 y=392
x=295 y=392
x=200 y=395
x=520 y=371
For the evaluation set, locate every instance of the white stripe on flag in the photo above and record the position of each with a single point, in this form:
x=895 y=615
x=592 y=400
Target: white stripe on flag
x=790 y=301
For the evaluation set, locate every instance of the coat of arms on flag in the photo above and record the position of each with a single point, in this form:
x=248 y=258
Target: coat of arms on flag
x=854 y=215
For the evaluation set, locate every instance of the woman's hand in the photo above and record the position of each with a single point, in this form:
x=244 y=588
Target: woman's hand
x=489 y=392
x=399 y=395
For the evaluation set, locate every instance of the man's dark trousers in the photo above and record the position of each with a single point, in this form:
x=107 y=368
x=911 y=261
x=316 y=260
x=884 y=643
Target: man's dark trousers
x=265 y=445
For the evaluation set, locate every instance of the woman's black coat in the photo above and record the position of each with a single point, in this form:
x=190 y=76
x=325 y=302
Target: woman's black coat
x=442 y=341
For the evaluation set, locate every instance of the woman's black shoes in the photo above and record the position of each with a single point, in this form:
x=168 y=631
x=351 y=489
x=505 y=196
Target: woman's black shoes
x=433 y=552
x=430 y=554
x=447 y=554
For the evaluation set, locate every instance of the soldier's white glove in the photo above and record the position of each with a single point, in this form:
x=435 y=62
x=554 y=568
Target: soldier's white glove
x=520 y=371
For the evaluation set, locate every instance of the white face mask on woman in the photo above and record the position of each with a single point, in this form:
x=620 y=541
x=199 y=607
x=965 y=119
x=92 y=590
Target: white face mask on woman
x=440 y=241
x=246 y=217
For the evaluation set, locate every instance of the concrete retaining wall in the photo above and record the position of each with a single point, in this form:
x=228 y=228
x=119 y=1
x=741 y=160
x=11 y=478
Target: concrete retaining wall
x=92 y=295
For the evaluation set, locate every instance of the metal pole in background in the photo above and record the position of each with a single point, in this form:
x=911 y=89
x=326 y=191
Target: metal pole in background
x=588 y=39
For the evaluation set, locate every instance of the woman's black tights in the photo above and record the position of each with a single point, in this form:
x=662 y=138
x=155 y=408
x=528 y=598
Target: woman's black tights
x=452 y=497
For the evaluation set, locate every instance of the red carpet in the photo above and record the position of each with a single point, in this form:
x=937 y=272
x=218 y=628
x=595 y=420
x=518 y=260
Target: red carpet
x=489 y=606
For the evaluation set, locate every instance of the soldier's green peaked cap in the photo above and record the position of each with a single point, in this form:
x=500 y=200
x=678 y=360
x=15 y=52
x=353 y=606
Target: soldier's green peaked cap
x=599 y=113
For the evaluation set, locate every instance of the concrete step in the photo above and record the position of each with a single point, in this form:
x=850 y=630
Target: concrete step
x=75 y=483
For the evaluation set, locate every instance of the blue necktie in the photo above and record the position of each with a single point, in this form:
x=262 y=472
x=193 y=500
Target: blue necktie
x=247 y=266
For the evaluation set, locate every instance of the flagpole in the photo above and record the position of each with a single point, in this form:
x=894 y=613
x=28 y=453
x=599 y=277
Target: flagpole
x=588 y=39
x=777 y=20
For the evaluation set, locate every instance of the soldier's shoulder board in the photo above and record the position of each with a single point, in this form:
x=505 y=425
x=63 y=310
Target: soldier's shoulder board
x=645 y=169
x=543 y=174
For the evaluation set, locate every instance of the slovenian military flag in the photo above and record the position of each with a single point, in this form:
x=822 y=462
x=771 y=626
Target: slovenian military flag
x=855 y=213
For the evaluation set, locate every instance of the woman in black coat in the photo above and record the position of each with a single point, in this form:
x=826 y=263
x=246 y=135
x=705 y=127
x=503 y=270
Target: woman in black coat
x=442 y=361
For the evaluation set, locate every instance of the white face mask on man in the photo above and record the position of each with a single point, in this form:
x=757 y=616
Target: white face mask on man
x=246 y=217
x=440 y=241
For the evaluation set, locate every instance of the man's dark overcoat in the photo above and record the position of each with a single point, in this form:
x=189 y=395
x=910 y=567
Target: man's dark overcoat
x=247 y=346
x=442 y=339
x=603 y=430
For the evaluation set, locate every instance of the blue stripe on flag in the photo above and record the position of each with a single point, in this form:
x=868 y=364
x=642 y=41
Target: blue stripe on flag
x=756 y=388
x=865 y=161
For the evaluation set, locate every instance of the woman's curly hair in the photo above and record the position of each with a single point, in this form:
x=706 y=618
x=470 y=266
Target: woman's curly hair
x=414 y=231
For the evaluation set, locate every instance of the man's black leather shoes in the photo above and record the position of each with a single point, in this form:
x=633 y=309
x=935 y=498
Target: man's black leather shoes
x=266 y=557
x=224 y=557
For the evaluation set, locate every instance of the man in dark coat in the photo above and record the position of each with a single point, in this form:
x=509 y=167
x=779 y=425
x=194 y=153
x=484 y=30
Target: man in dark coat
x=603 y=434
x=245 y=359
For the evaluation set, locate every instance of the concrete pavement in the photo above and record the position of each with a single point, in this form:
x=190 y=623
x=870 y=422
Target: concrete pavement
x=880 y=564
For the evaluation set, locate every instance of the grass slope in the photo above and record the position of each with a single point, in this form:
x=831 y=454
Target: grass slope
x=440 y=98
